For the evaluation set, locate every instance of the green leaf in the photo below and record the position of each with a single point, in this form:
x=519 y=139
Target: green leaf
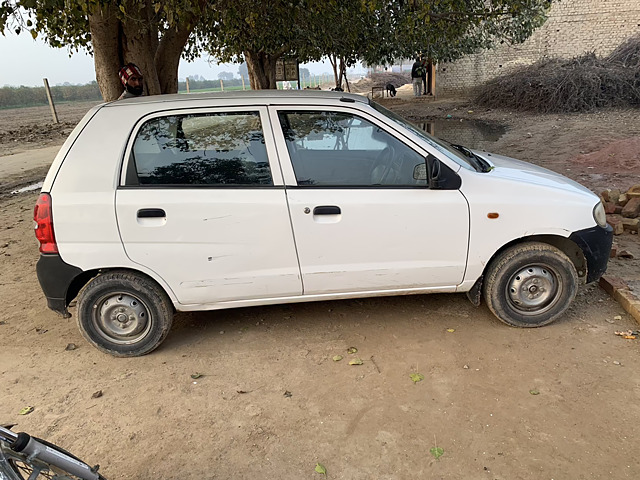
x=34 y=34
x=416 y=377
x=196 y=375
x=437 y=452
x=26 y=410
x=352 y=350
x=355 y=361
x=320 y=469
x=337 y=358
x=122 y=9
x=534 y=391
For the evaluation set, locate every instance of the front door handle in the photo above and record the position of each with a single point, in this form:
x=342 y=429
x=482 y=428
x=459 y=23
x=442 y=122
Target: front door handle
x=326 y=210
x=151 y=213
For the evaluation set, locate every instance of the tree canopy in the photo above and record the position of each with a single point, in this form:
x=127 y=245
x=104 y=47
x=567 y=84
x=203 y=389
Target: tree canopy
x=155 y=34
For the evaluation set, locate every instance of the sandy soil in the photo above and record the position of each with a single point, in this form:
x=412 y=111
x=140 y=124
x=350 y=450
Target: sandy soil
x=504 y=403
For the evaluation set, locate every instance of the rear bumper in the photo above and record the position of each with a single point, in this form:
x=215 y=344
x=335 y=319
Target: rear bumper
x=55 y=276
x=596 y=244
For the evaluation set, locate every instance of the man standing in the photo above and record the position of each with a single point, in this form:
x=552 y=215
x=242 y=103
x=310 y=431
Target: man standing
x=131 y=78
x=416 y=77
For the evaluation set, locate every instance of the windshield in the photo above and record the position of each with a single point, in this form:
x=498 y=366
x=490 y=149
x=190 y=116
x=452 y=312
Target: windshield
x=442 y=146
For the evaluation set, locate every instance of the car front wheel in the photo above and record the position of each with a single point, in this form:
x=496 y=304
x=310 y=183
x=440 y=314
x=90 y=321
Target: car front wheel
x=530 y=285
x=124 y=314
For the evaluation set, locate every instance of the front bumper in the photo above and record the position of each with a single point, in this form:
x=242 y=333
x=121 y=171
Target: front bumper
x=596 y=244
x=55 y=277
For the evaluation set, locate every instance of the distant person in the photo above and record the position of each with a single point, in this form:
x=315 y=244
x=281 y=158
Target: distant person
x=131 y=78
x=416 y=77
x=423 y=70
x=427 y=65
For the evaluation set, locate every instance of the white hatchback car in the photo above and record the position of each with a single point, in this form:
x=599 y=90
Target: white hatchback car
x=211 y=201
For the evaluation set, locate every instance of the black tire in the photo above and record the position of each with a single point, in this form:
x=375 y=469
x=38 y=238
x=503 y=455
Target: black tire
x=124 y=314
x=530 y=285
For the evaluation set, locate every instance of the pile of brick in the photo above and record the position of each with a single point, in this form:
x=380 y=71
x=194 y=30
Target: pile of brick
x=622 y=209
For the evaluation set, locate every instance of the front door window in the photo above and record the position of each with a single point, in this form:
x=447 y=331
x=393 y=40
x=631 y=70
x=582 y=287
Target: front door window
x=335 y=149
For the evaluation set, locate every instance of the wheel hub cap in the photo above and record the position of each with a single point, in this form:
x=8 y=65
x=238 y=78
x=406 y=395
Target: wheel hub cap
x=532 y=289
x=122 y=318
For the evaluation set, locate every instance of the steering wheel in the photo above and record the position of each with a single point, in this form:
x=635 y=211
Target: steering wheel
x=382 y=166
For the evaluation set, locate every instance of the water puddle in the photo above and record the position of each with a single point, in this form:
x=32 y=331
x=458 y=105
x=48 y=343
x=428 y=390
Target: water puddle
x=475 y=134
x=28 y=188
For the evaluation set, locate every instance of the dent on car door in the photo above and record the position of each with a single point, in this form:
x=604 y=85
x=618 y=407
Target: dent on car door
x=362 y=220
x=203 y=206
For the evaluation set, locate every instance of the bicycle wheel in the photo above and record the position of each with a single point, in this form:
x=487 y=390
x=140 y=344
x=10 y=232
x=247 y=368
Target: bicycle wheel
x=16 y=466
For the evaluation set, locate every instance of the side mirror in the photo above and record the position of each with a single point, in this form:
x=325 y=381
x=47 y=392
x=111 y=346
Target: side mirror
x=433 y=165
x=420 y=172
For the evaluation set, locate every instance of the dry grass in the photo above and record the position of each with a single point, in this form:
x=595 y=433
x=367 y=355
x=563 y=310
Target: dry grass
x=580 y=84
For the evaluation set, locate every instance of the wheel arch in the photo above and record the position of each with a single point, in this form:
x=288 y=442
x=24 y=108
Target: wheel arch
x=564 y=244
x=86 y=276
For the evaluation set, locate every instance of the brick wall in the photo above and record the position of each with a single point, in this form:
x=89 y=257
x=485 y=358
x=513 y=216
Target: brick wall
x=573 y=27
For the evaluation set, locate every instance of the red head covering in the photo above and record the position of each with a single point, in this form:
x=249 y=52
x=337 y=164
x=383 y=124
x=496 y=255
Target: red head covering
x=127 y=71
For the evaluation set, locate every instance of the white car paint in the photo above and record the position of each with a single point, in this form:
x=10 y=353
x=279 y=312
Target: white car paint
x=267 y=250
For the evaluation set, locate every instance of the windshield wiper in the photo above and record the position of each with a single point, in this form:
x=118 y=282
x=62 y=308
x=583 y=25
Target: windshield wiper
x=479 y=162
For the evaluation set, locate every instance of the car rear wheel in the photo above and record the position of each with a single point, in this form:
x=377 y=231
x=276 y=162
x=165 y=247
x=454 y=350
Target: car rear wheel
x=124 y=314
x=530 y=285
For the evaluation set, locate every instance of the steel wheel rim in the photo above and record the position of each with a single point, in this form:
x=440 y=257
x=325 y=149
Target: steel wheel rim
x=533 y=289
x=121 y=318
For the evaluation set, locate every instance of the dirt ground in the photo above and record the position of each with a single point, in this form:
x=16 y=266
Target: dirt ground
x=557 y=402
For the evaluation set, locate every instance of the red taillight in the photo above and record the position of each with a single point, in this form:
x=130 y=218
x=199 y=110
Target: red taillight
x=44 y=224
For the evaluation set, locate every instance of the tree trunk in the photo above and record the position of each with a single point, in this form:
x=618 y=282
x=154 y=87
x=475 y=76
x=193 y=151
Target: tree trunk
x=107 y=57
x=167 y=57
x=343 y=69
x=334 y=64
x=135 y=40
x=140 y=44
x=262 y=70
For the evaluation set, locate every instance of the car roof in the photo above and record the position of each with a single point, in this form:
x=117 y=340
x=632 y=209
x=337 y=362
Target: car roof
x=263 y=96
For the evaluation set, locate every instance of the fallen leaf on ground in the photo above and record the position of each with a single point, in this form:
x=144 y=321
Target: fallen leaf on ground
x=355 y=361
x=97 y=394
x=451 y=330
x=196 y=375
x=320 y=469
x=288 y=394
x=416 y=377
x=437 y=452
x=534 y=392
x=337 y=358
x=352 y=350
x=26 y=410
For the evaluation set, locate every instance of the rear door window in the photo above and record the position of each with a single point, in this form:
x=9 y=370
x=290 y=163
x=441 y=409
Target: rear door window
x=211 y=149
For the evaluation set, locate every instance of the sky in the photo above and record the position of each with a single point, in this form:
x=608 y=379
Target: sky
x=26 y=62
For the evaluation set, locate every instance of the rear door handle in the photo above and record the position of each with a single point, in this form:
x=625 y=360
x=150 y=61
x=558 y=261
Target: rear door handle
x=151 y=213
x=327 y=210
